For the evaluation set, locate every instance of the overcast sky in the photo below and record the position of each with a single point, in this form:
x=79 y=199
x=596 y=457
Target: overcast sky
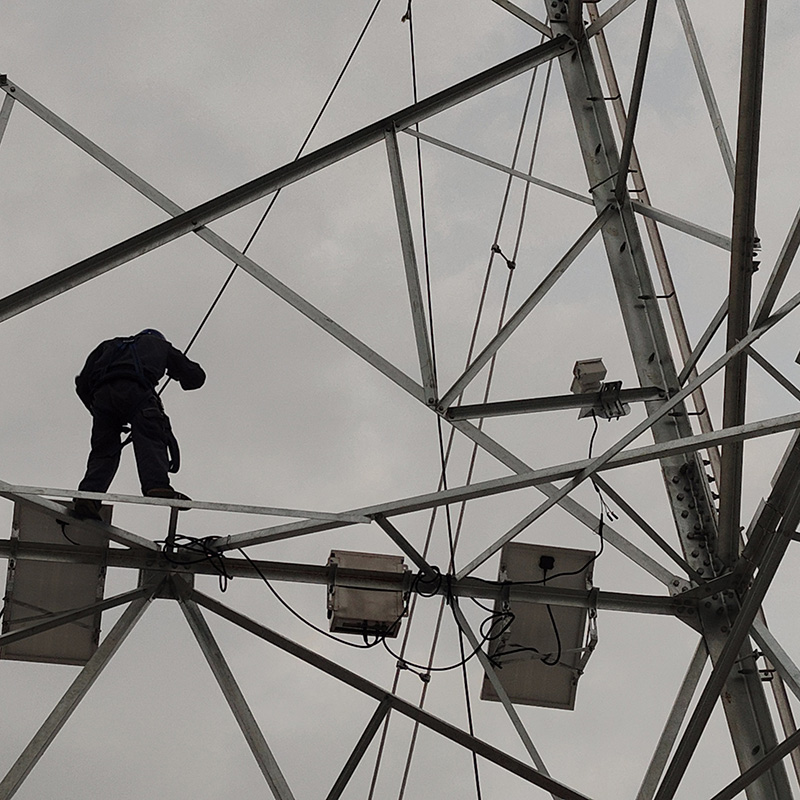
x=198 y=98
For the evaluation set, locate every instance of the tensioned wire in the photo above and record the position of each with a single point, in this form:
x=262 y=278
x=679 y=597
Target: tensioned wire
x=446 y=451
x=490 y=375
x=275 y=196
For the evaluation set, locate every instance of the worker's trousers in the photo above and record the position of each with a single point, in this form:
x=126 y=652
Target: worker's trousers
x=114 y=405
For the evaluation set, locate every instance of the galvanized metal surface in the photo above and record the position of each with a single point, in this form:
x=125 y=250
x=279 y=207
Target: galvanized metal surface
x=749 y=717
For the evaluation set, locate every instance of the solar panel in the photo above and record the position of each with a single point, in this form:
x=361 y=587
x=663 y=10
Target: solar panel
x=526 y=654
x=37 y=588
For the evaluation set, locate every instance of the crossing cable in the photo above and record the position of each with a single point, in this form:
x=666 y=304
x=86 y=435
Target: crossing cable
x=275 y=196
x=472 y=344
x=453 y=539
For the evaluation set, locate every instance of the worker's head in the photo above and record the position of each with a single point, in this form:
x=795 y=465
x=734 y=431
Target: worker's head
x=152 y=332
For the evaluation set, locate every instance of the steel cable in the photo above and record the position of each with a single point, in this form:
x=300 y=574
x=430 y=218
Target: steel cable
x=274 y=197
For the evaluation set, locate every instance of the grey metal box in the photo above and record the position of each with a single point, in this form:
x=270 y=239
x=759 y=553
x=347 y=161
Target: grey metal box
x=37 y=588
x=522 y=673
x=365 y=611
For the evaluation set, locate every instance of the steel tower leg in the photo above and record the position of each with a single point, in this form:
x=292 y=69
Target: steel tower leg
x=746 y=710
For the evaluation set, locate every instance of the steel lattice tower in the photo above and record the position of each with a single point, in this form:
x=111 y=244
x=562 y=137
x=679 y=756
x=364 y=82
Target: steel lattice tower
x=696 y=522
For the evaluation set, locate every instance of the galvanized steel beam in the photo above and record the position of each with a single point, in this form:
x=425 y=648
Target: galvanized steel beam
x=5 y=113
x=517 y=318
x=674 y=723
x=684 y=477
x=288 y=295
x=421 y=333
x=741 y=271
x=76 y=692
x=360 y=749
x=65 y=617
x=233 y=694
x=500 y=691
x=607 y=16
x=527 y=18
x=778 y=275
x=708 y=92
x=362 y=685
x=621 y=188
x=524 y=477
x=241 y=196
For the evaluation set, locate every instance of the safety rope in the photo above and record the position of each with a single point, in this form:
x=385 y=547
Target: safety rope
x=274 y=197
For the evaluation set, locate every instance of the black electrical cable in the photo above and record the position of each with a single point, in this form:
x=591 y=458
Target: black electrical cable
x=367 y=644
x=448 y=668
x=205 y=551
x=277 y=193
x=63 y=526
x=552 y=662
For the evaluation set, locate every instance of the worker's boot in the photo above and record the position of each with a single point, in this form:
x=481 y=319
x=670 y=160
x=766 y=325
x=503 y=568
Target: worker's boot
x=83 y=508
x=166 y=493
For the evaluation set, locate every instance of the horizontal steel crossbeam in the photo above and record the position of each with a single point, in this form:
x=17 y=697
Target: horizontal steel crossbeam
x=242 y=195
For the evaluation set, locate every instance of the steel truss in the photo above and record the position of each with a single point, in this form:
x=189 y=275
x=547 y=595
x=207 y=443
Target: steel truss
x=717 y=580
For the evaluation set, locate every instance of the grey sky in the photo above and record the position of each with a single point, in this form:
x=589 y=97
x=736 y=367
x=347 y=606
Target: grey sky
x=200 y=97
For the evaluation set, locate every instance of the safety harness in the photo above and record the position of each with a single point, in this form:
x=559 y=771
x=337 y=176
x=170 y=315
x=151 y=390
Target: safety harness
x=122 y=361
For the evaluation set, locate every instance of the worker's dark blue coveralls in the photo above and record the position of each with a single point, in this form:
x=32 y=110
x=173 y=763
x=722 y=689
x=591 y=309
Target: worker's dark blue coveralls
x=117 y=385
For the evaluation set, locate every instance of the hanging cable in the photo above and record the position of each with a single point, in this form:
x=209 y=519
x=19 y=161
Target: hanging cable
x=453 y=537
x=274 y=198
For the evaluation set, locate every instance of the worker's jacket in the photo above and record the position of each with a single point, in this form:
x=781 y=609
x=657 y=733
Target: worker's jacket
x=143 y=358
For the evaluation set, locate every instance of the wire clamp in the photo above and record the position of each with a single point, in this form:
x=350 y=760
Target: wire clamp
x=509 y=263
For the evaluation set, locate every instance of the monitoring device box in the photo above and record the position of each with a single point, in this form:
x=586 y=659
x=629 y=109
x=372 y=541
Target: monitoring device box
x=366 y=611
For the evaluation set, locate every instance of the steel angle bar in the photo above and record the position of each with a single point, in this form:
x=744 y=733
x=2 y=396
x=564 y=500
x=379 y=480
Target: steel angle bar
x=5 y=113
x=608 y=15
x=306 y=165
x=524 y=310
x=225 y=248
x=421 y=334
x=774 y=756
x=729 y=653
x=787 y=673
x=60 y=513
x=524 y=176
x=233 y=694
x=621 y=443
x=780 y=659
x=651 y=221
x=682 y=225
x=703 y=343
x=707 y=90
x=491 y=674
x=571 y=506
x=238 y=508
x=398 y=704
x=424 y=567
x=524 y=16
x=785 y=714
x=645 y=526
x=524 y=477
x=779 y=273
x=571 y=598
x=774 y=373
x=673 y=724
x=621 y=188
x=55 y=620
x=560 y=402
x=362 y=745
x=741 y=270
x=76 y=692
